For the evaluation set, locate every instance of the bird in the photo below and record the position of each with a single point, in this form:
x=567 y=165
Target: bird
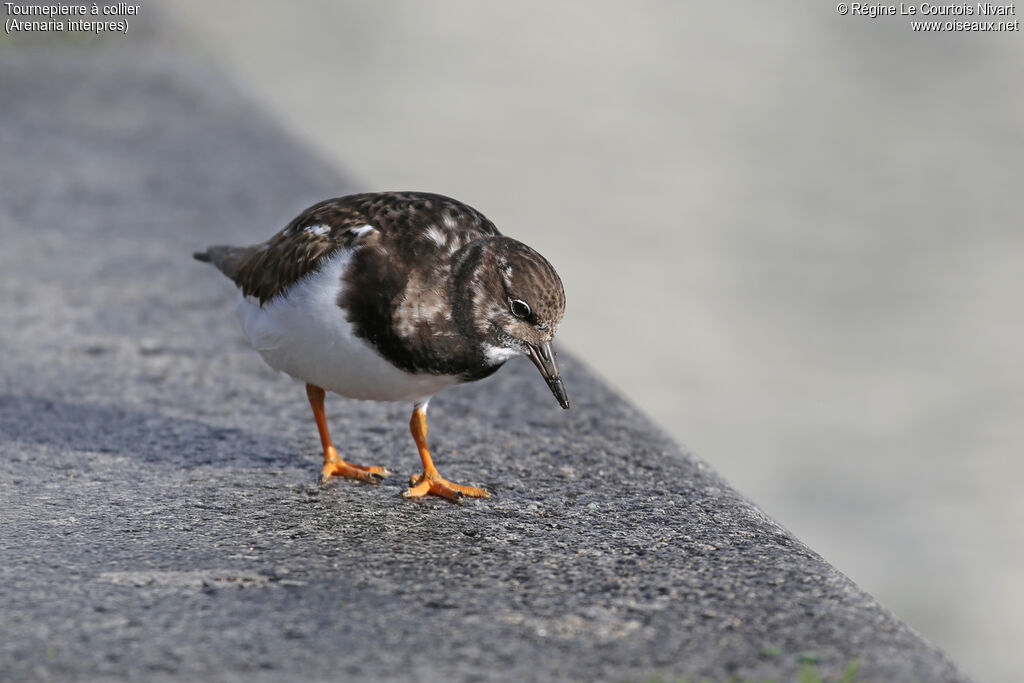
x=394 y=296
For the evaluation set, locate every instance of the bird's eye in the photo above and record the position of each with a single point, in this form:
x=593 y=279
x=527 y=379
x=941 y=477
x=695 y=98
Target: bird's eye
x=520 y=308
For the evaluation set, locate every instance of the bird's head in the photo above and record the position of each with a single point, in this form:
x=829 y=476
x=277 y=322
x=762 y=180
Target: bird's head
x=515 y=302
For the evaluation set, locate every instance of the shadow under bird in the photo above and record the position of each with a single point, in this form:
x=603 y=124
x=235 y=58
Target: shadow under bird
x=393 y=296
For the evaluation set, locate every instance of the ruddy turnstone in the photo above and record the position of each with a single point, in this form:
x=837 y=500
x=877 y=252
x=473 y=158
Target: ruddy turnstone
x=393 y=296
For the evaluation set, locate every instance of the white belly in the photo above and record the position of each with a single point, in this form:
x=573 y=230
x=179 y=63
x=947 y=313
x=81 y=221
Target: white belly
x=305 y=334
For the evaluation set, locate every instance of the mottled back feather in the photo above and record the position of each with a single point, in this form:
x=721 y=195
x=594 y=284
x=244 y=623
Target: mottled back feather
x=267 y=270
x=422 y=267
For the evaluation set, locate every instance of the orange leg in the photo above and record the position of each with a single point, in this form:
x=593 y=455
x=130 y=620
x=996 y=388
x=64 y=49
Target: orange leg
x=431 y=481
x=333 y=464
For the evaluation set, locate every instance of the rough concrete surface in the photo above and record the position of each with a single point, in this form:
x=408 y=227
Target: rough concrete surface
x=160 y=516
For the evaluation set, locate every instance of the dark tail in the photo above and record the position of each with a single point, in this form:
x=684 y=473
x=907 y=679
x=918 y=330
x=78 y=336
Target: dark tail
x=224 y=257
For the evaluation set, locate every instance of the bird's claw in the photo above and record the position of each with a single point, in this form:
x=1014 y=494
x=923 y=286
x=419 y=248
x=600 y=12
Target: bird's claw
x=421 y=485
x=340 y=468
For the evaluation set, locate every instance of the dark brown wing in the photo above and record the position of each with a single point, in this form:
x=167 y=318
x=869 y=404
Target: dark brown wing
x=267 y=270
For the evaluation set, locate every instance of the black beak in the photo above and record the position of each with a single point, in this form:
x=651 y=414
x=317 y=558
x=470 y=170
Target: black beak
x=544 y=358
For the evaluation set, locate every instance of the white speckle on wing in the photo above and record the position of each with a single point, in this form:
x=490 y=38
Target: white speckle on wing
x=362 y=231
x=436 y=236
x=317 y=230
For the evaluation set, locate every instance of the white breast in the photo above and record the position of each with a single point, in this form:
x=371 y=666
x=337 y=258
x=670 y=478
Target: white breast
x=305 y=334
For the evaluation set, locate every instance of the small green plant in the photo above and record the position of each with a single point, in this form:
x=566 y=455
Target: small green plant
x=808 y=672
x=850 y=675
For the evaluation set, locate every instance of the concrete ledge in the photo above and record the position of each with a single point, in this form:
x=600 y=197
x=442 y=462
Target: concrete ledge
x=160 y=516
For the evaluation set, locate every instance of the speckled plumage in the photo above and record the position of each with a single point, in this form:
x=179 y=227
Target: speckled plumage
x=427 y=277
x=394 y=296
x=409 y=219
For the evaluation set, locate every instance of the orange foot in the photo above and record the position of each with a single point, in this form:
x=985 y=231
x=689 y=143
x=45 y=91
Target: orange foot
x=430 y=481
x=434 y=484
x=336 y=467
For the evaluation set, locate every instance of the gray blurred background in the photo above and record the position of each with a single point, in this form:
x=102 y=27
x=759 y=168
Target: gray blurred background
x=791 y=237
